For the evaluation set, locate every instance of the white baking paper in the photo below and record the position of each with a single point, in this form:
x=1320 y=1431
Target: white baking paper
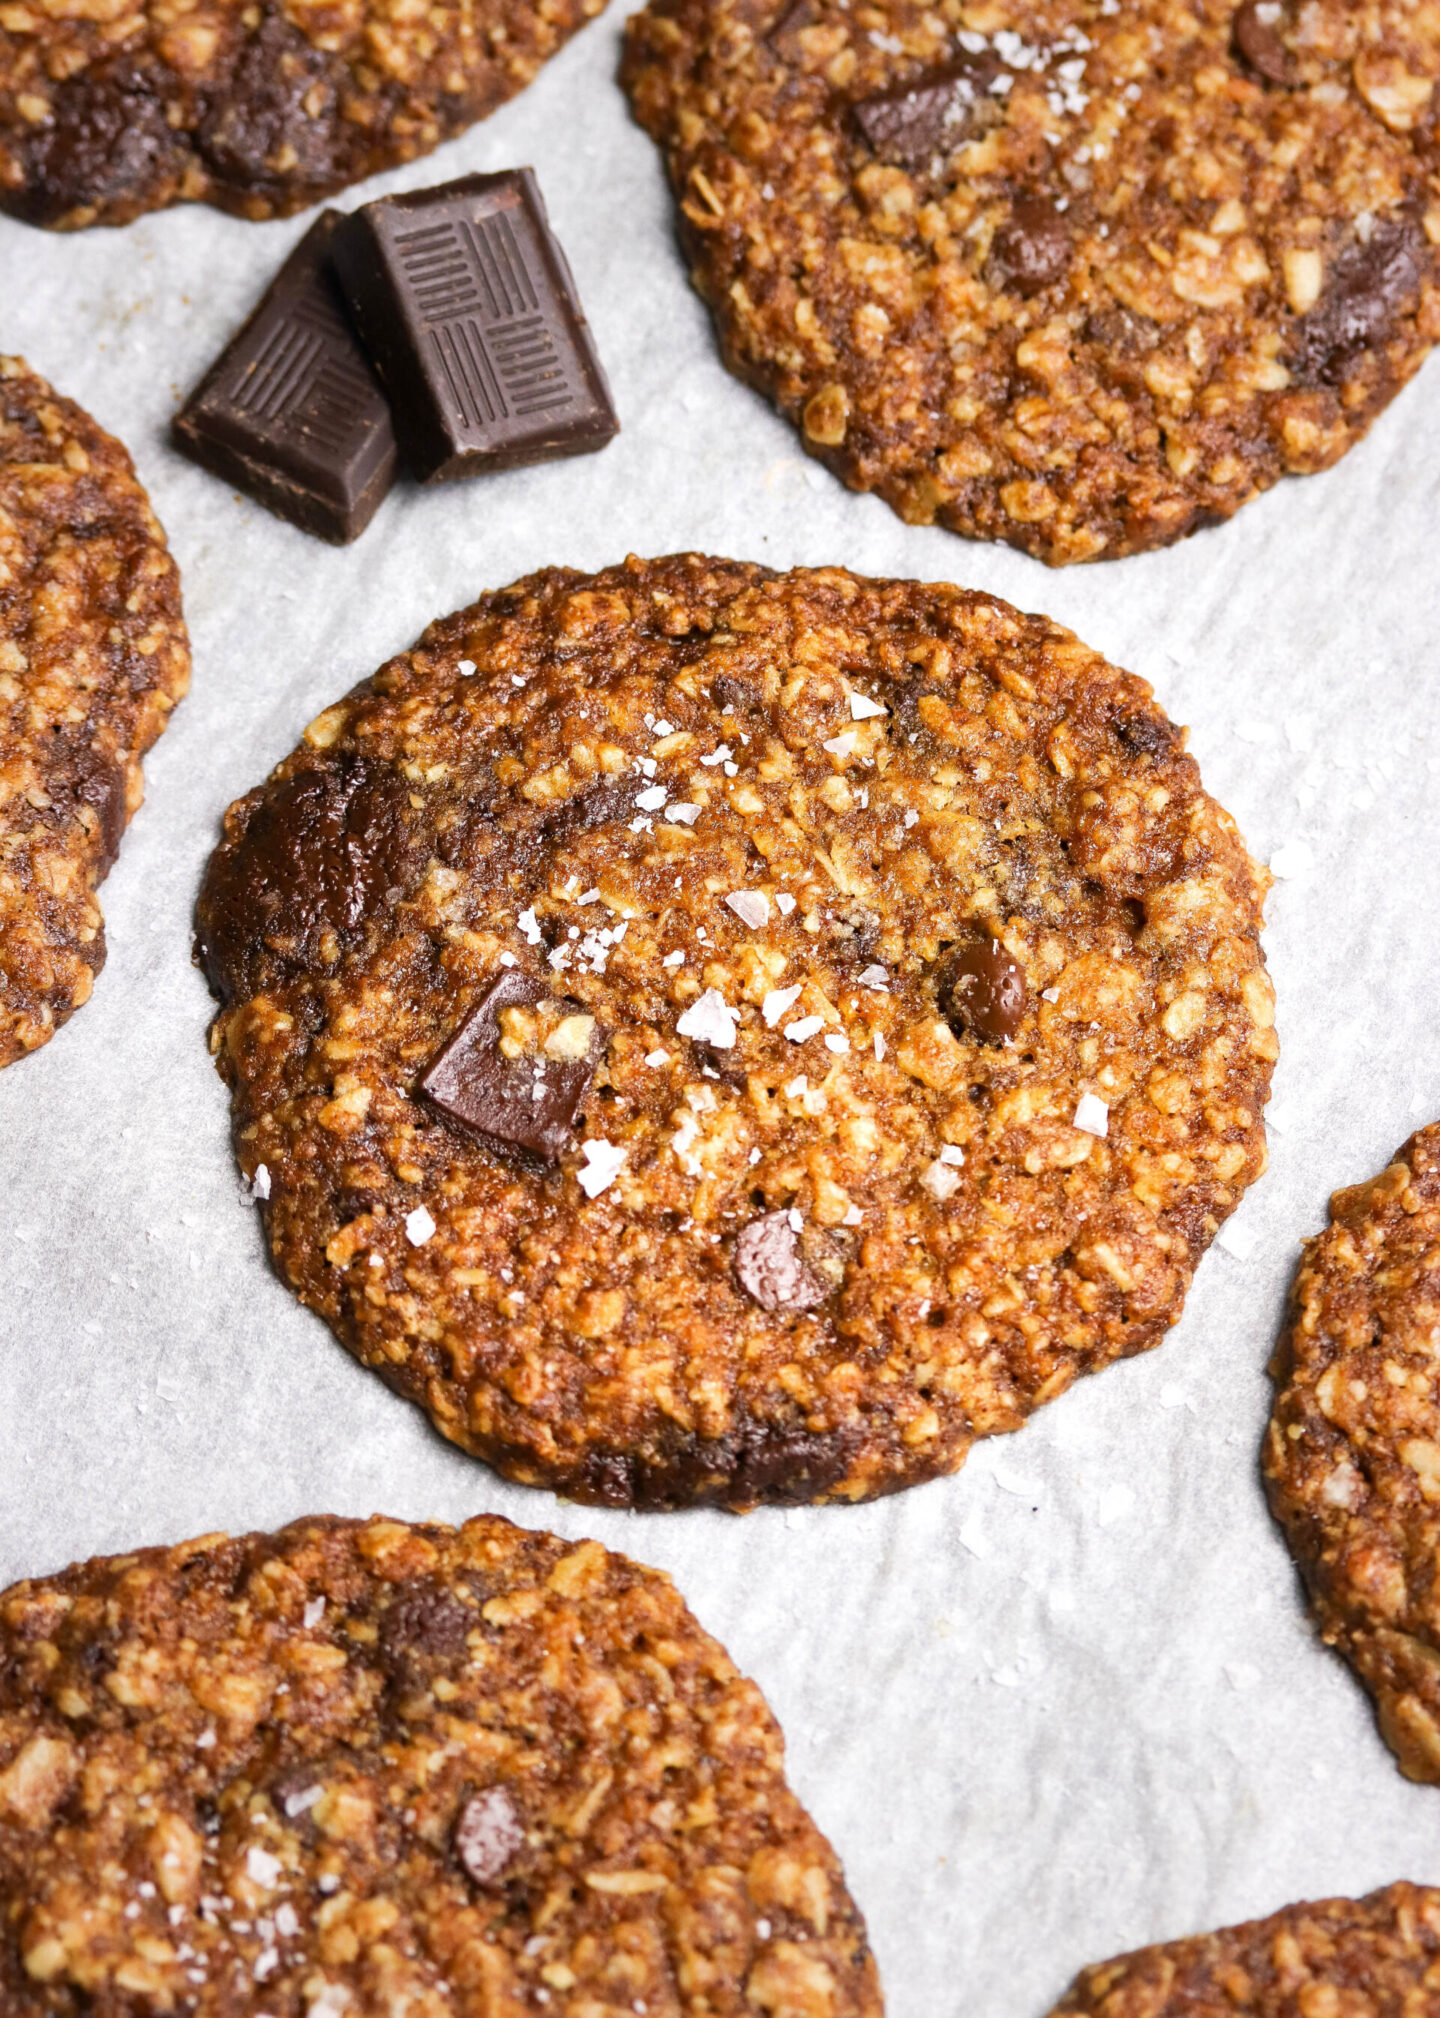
x=1062 y=1704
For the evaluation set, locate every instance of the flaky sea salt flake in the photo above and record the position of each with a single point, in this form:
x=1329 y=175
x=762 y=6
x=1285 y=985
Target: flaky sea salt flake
x=683 y=814
x=1092 y=1115
x=711 y=1020
x=863 y=709
x=603 y=1160
x=777 y=1002
x=751 y=907
x=419 y=1226
x=804 y=1028
x=841 y=746
x=260 y=1184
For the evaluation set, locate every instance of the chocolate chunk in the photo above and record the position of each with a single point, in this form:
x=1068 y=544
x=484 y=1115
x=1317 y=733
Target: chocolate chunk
x=1032 y=248
x=314 y=856
x=278 y=105
x=1257 y=39
x=488 y=1834
x=983 y=992
x=527 y=1103
x=770 y=1268
x=467 y=305
x=1146 y=735
x=909 y=123
x=108 y=139
x=99 y=782
x=291 y=413
x=1367 y=286
x=426 y=1622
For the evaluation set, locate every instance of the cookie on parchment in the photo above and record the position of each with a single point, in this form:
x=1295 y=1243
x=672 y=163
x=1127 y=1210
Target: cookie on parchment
x=1077 y=276
x=1378 y=1956
x=374 y=1768
x=258 y=109
x=1352 y=1458
x=93 y=656
x=721 y=1036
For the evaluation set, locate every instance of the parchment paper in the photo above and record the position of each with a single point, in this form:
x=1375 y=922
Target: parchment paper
x=1062 y=1704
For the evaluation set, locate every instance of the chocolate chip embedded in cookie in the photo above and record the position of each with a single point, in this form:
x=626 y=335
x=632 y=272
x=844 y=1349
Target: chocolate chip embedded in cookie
x=570 y=1796
x=93 y=656
x=1352 y=1459
x=257 y=109
x=1379 y=1954
x=723 y=1036
x=1080 y=278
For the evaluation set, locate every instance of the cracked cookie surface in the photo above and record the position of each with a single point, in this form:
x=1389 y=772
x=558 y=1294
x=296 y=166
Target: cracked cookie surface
x=721 y=1036
x=108 y=112
x=1078 y=276
x=1379 y=1956
x=1352 y=1458
x=366 y=1767
x=93 y=656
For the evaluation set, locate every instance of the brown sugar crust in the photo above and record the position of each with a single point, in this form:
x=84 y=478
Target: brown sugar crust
x=109 y=110
x=93 y=656
x=371 y=1768
x=882 y=774
x=1378 y=1956
x=1134 y=281
x=1352 y=1458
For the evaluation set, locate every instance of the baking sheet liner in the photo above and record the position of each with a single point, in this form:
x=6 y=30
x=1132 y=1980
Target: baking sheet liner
x=1061 y=1704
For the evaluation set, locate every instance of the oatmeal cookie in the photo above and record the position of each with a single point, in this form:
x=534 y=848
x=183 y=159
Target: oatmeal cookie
x=1352 y=1459
x=260 y=109
x=93 y=656
x=721 y=1036
x=373 y=1768
x=1379 y=1956
x=1075 y=275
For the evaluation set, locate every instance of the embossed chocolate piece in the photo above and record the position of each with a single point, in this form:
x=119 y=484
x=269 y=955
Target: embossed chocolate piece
x=909 y=123
x=526 y=1098
x=468 y=308
x=983 y=992
x=291 y=412
x=1032 y=248
x=487 y=1835
x=770 y=1267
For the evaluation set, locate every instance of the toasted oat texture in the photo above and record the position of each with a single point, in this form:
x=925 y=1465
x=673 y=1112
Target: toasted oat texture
x=1377 y=1957
x=1107 y=271
x=811 y=1210
x=261 y=109
x=375 y=1769
x=1352 y=1459
x=93 y=656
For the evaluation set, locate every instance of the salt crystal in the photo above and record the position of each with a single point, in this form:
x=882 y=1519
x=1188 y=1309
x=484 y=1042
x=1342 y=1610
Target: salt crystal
x=805 y=1028
x=751 y=907
x=205 y=1740
x=260 y=1186
x=287 y=1921
x=784 y=903
x=419 y=1226
x=797 y=1088
x=874 y=977
x=863 y=709
x=603 y=1160
x=796 y=1222
x=315 y=1610
x=663 y=728
x=466 y=667
x=652 y=798
x=1092 y=1115
x=853 y=1216
x=529 y=926
x=719 y=756
x=589 y=897
x=940 y=1181
x=711 y=1020
x=912 y=818
x=657 y=1057
x=879 y=1043
x=304 y=1801
x=777 y=1002
x=508 y=960
x=841 y=746
x=836 y=1040
x=684 y=813
x=261 y=1867
x=1049 y=994
x=951 y=1153
x=676 y=959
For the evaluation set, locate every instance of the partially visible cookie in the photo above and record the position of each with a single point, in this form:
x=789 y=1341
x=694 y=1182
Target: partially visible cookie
x=1074 y=275
x=1377 y=1957
x=93 y=656
x=369 y=1768
x=1352 y=1458
x=259 y=109
x=721 y=1036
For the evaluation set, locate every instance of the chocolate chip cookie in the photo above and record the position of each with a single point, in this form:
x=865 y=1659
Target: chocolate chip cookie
x=93 y=656
x=1352 y=1459
x=712 y=1035
x=364 y=1767
x=1070 y=274
x=259 y=109
x=1379 y=1956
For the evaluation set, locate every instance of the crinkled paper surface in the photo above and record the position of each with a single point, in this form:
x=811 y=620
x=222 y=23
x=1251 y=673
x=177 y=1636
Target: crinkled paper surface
x=1061 y=1704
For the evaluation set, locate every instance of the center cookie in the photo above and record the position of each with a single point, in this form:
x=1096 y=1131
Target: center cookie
x=716 y=1036
x=1072 y=274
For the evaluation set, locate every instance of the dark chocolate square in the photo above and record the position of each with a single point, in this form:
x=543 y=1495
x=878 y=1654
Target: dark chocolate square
x=291 y=413
x=529 y=1104
x=468 y=309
